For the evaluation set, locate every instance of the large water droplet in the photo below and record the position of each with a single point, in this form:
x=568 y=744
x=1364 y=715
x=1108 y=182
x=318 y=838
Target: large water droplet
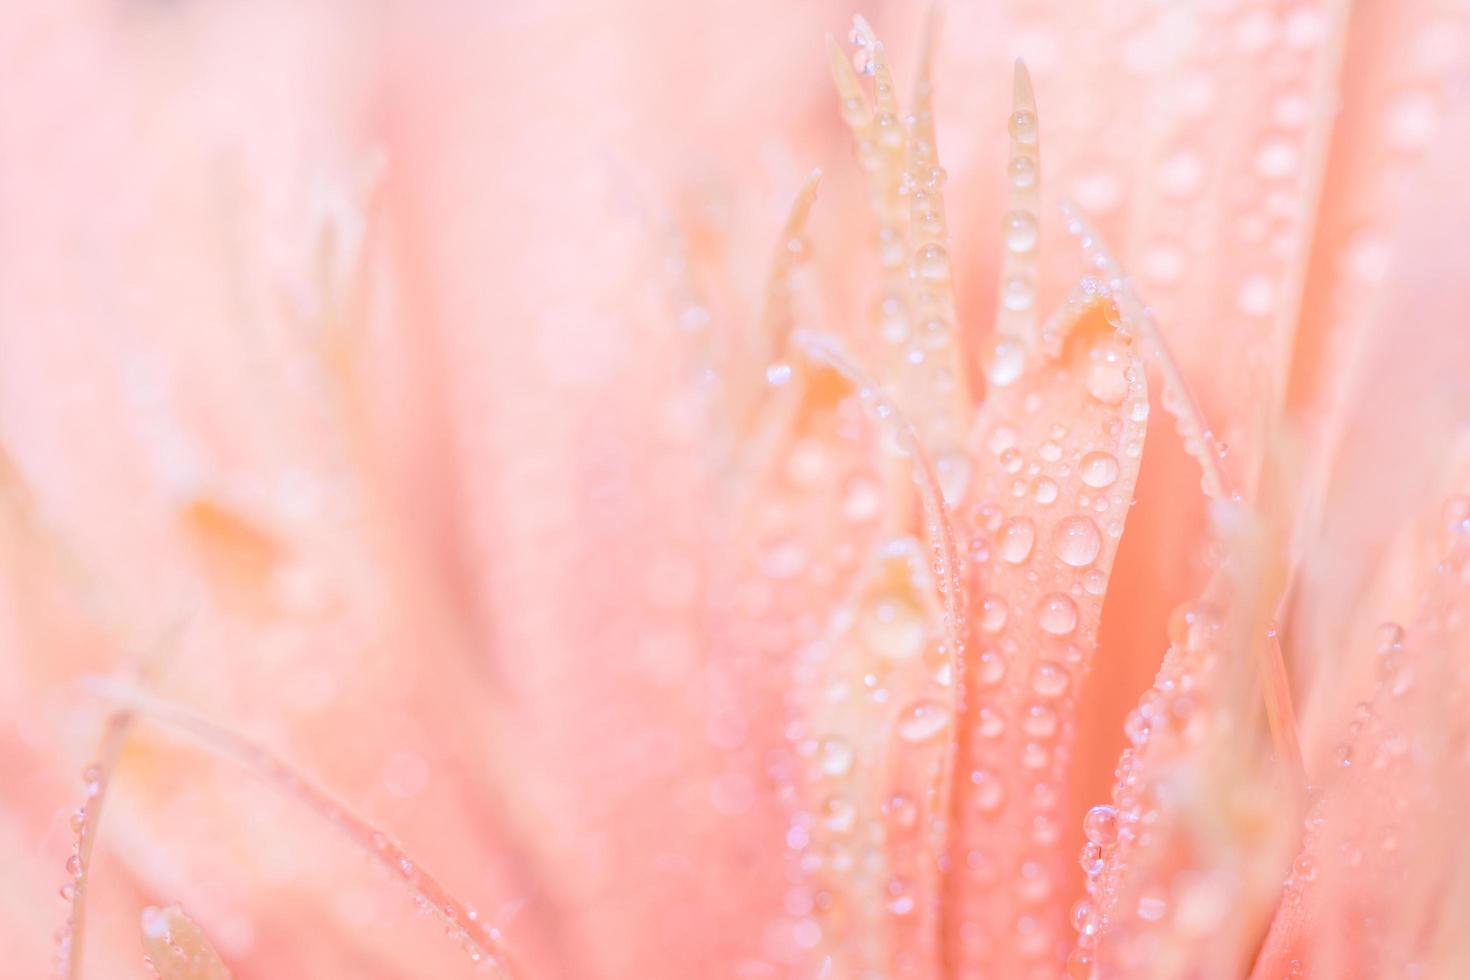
x=1077 y=541
x=1022 y=126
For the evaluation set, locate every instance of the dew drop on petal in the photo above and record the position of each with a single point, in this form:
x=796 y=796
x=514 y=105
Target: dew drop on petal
x=1049 y=679
x=1101 y=824
x=1057 y=614
x=1016 y=540
x=835 y=757
x=1077 y=541
x=1099 y=470
x=922 y=721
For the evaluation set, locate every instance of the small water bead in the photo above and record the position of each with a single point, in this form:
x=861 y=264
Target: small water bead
x=1049 y=451
x=1077 y=541
x=74 y=866
x=835 y=756
x=1082 y=918
x=1011 y=461
x=838 y=814
x=890 y=131
x=1034 y=884
x=1057 y=614
x=778 y=374
x=1152 y=905
x=990 y=723
x=922 y=721
x=1035 y=756
x=1095 y=582
x=78 y=820
x=1044 y=491
x=861 y=500
x=1049 y=679
x=932 y=263
x=1390 y=638
x=67 y=891
x=1091 y=858
x=1016 y=540
x=993 y=615
x=1020 y=231
x=1022 y=126
x=1039 y=721
x=900 y=896
x=1101 y=824
x=901 y=811
x=1022 y=172
x=989 y=793
x=1007 y=360
x=1017 y=295
x=1137 y=727
x=990 y=668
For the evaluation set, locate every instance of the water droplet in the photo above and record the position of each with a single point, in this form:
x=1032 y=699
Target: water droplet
x=74 y=866
x=1057 y=614
x=838 y=814
x=835 y=757
x=1016 y=294
x=901 y=811
x=1091 y=858
x=900 y=897
x=922 y=721
x=1044 y=491
x=990 y=723
x=78 y=821
x=1007 y=359
x=932 y=263
x=893 y=628
x=993 y=613
x=1077 y=541
x=989 y=793
x=990 y=670
x=1022 y=126
x=1256 y=296
x=1023 y=172
x=1101 y=824
x=1099 y=470
x=1020 y=231
x=1050 y=679
x=1039 y=721
x=1049 y=451
x=1095 y=582
x=778 y=373
x=1107 y=381
x=1016 y=540
x=1152 y=905
x=862 y=500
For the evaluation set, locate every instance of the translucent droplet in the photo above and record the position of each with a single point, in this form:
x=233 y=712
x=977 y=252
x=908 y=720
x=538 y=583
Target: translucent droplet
x=835 y=757
x=838 y=814
x=990 y=723
x=74 y=866
x=1091 y=858
x=1098 y=470
x=1044 y=491
x=1017 y=295
x=893 y=628
x=901 y=811
x=1049 y=451
x=1152 y=905
x=1050 y=679
x=993 y=613
x=922 y=721
x=1020 y=231
x=990 y=669
x=1057 y=614
x=1095 y=582
x=1039 y=721
x=932 y=263
x=1007 y=359
x=989 y=793
x=1107 y=381
x=1101 y=824
x=1022 y=172
x=1022 y=126
x=1077 y=541
x=778 y=373
x=1016 y=540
